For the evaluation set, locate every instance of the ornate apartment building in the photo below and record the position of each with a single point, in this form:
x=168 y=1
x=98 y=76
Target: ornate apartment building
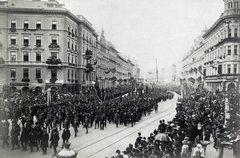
x=192 y=63
x=222 y=55
x=43 y=45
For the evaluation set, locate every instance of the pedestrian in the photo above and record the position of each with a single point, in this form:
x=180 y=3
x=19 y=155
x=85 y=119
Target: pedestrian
x=44 y=141
x=116 y=119
x=14 y=134
x=198 y=151
x=236 y=145
x=86 y=121
x=54 y=139
x=5 y=135
x=33 y=139
x=65 y=135
x=24 y=138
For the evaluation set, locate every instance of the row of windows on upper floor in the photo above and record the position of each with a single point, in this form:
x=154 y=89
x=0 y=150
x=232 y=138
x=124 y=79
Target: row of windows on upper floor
x=232 y=4
x=71 y=74
x=37 y=56
x=54 y=42
x=229 y=50
x=71 y=31
x=227 y=69
x=227 y=33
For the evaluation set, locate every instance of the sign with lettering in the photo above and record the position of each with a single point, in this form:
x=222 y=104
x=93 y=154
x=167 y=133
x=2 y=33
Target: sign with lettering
x=19 y=84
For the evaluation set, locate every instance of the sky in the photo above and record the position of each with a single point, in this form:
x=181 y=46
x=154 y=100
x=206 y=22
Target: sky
x=146 y=30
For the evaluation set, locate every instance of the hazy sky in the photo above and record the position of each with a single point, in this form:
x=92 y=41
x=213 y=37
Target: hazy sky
x=149 y=29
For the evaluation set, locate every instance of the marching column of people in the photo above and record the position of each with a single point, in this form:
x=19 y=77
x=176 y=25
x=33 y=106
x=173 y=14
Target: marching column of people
x=35 y=125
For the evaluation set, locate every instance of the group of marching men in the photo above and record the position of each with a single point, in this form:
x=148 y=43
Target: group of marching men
x=38 y=126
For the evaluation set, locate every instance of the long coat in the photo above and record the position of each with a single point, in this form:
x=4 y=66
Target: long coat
x=44 y=140
x=54 y=138
x=66 y=134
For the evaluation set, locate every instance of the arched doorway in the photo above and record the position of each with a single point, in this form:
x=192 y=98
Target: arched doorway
x=38 y=89
x=231 y=86
x=25 y=89
x=13 y=89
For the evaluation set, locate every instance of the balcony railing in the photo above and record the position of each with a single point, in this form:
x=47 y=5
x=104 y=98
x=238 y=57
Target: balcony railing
x=53 y=61
x=53 y=46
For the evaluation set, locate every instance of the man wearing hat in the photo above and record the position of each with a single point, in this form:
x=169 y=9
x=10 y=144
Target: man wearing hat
x=44 y=141
x=54 y=139
x=119 y=155
x=236 y=145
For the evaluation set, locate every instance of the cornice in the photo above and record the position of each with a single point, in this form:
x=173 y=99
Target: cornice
x=219 y=22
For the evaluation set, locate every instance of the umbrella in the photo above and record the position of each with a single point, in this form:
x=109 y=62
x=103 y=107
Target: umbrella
x=162 y=137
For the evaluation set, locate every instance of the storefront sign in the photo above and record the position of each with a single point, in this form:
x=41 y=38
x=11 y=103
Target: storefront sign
x=38 y=84
x=19 y=84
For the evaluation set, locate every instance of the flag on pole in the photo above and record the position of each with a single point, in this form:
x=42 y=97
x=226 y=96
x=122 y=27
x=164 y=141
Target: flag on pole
x=48 y=91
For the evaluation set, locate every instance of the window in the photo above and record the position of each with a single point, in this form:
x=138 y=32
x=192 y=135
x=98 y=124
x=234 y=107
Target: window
x=68 y=74
x=68 y=28
x=83 y=77
x=38 y=24
x=54 y=40
x=54 y=73
x=76 y=59
x=76 y=46
x=235 y=68
x=229 y=50
x=68 y=43
x=54 y=55
x=235 y=50
x=13 y=56
x=72 y=74
x=38 y=57
x=13 y=40
x=38 y=41
x=72 y=59
x=68 y=58
x=75 y=75
x=38 y=73
x=235 y=32
x=13 y=73
x=25 y=56
x=25 y=73
x=13 y=24
x=229 y=33
x=83 y=34
x=26 y=24
x=54 y=25
x=228 y=68
x=25 y=40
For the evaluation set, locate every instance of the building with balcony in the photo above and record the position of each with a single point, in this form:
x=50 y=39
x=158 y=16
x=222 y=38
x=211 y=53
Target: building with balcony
x=193 y=62
x=43 y=45
x=221 y=61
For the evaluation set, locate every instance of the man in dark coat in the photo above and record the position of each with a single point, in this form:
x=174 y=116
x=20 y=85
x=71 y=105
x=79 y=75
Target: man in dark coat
x=44 y=141
x=5 y=135
x=24 y=138
x=33 y=139
x=15 y=133
x=54 y=139
x=65 y=135
x=116 y=119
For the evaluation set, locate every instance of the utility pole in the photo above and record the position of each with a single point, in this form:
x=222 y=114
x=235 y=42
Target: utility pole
x=156 y=70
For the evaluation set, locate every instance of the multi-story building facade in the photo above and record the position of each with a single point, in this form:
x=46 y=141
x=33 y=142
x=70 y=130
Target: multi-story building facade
x=103 y=61
x=222 y=55
x=43 y=45
x=193 y=62
x=87 y=45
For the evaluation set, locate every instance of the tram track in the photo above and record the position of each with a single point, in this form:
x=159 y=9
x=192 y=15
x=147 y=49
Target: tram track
x=131 y=133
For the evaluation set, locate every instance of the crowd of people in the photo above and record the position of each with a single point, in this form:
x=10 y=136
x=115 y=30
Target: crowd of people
x=199 y=117
x=29 y=123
